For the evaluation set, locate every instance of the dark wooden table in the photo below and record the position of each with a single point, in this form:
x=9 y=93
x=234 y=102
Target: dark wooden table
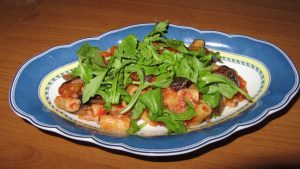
x=30 y=27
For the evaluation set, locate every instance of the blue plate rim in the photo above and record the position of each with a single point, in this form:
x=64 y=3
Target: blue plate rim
x=155 y=152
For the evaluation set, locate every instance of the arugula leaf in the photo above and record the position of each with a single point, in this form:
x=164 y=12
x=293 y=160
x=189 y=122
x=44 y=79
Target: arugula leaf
x=214 y=85
x=188 y=68
x=157 y=33
x=155 y=54
x=127 y=48
x=161 y=81
x=144 y=51
x=188 y=114
x=137 y=110
x=133 y=100
x=174 y=122
x=216 y=78
x=91 y=88
x=212 y=99
x=209 y=89
x=134 y=127
x=153 y=101
x=90 y=53
x=127 y=80
x=170 y=57
x=114 y=95
x=176 y=44
x=160 y=28
x=90 y=61
x=84 y=72
x=150 y=70
x=106 y=98
x=125 y=96
x=211 y=94
x=137 y=69
x=173 y=125
x=226 y=90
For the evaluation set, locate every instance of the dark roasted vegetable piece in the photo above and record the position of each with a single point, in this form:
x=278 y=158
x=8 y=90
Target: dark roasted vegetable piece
x=150 y=78
x=134 y=76
x=229 y=73
x=180 y=83
x=196 y=45
x=96 y=100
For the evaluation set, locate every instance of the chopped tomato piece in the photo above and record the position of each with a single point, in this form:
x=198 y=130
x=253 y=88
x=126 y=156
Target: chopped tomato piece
x=101 y=112
x=242 y=83
x=134 y=76
x=243 y=86
x=150 y=78
x=109 y=52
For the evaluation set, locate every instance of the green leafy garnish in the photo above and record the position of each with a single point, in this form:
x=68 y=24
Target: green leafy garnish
x=91 y=88
x=154 y=56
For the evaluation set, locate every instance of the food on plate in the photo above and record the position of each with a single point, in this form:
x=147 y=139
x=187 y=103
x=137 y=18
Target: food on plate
x=156 y=81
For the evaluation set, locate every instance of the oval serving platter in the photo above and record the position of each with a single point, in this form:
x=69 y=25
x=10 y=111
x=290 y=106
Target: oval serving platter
x=35 y=87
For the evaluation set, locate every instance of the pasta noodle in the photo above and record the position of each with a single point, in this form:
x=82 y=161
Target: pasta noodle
x=203 y=111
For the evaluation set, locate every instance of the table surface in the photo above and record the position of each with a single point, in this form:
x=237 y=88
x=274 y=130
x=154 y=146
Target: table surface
x=30 y=27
